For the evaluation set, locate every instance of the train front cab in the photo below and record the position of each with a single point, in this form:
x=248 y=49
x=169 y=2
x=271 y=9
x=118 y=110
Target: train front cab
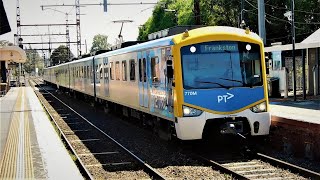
x=220 y=84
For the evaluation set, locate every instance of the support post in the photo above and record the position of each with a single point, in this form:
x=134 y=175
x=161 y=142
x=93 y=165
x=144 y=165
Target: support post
x=304 y=74
x=261 y=22
x=293 y=54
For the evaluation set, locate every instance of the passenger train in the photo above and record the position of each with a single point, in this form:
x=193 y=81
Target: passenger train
x=205 y=82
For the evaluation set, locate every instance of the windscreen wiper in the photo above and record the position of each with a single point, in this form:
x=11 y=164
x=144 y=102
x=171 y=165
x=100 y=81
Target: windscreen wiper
x=233 y=80
x=209 y=82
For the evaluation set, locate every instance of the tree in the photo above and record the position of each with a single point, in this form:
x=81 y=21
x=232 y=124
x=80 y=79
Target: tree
x=5 y=43
x=61 y=55
x=227 y=13
x=100 y=42
x=34 y=61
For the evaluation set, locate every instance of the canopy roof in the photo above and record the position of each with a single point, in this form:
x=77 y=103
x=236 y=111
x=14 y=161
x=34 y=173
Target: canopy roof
x=12 y=54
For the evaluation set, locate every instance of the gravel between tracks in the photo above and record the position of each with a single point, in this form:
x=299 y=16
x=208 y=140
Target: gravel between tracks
x=165 y=157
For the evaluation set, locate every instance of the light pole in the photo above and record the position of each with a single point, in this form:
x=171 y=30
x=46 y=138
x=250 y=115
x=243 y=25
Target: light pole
x=175 y=14
x=290 y=16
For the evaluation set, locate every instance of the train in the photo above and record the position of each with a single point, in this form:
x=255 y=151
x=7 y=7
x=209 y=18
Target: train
x=202 y=83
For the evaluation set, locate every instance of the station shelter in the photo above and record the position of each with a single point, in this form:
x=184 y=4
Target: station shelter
x=307 y=61
x=10 y=56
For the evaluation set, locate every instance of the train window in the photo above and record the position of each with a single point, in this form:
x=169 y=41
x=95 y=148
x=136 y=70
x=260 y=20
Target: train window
x=132 y=70
x=140 y=70
x=105 y=71
x=144 y=70
x=117 y=70
x=96 y=70
x=111 y=71
x=100 y=71
x=155 y=69
x=88 y=71
x=124 y=70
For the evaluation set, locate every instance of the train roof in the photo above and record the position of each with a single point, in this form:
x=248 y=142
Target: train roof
x=204 y=32
x=176 y=39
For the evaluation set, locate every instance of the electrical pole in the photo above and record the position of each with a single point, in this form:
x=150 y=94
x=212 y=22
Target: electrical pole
x=78 y=27
x=293 y=49
x=196 y=9
x=241 y=11
x=261 y=22
x=67 y=36
x=18 y=21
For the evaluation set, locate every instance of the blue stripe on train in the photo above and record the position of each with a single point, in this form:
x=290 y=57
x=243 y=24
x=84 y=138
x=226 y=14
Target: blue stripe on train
x=224 y=100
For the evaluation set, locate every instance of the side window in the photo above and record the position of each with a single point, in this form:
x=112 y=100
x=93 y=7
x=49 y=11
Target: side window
x=140 y=70
x=100 y=71
x=124 y=70
x=132 y=70
x=96 y=70
x=105 y=71
x=111 y=71
x=88 y=72
x=155 y=69
x=117 y=70
x=144 y=70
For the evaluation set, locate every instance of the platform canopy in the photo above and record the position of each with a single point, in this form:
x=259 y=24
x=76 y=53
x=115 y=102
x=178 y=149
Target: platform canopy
x=12 y=54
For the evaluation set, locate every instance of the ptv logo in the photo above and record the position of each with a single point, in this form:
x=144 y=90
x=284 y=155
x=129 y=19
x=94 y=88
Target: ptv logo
x=224 y=98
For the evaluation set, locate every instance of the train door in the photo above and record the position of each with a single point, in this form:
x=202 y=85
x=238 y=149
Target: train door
x=169 y=80
x=106 y=76
x=143 y=82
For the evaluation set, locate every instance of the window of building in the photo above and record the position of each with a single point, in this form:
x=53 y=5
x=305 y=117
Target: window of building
x=124 y=70
x=132 y=70
x=155 y=69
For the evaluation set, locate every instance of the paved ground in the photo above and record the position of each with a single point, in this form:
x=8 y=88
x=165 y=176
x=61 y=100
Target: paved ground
x=301 y=110
x=30 y=147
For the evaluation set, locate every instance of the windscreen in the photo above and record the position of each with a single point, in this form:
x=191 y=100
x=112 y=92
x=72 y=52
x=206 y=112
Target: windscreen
x=221 y=64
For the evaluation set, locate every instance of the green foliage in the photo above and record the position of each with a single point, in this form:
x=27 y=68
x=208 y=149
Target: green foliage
x=100 y=42
x=34 y=61
x=5 y=43
x=61 y=55
x=227 y=13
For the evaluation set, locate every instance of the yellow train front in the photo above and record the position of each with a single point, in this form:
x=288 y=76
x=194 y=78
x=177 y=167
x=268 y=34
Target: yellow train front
x=220 y=83
x=202 y=83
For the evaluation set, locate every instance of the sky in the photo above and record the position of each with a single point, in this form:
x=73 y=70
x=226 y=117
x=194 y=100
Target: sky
x=93 y=20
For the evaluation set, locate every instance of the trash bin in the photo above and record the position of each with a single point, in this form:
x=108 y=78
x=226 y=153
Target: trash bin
x=273 y=87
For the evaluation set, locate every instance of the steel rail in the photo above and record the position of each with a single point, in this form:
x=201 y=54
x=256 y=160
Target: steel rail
x=64 y=136
x=150 y=170
x=218 y=166
x=291 y=167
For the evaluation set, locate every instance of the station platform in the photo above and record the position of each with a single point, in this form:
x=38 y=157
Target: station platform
x=307 y=111
x=30 y=148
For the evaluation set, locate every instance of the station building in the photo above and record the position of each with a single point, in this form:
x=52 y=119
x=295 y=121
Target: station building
x=307 y=61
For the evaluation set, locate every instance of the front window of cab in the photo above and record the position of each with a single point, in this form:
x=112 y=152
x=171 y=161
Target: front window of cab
x=221 y=64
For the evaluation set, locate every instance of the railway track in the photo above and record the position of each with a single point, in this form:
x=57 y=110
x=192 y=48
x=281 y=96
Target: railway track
x=79 y=134
x=98 y=154
x=257 y=166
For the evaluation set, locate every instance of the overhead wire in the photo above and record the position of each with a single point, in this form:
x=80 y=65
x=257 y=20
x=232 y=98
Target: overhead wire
x=276 y=18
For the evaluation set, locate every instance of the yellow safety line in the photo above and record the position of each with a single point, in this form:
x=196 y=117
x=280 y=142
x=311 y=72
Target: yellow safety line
x=29 y=174
x=8 y=161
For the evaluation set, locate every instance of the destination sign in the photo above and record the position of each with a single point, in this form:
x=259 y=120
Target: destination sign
x=218 y=48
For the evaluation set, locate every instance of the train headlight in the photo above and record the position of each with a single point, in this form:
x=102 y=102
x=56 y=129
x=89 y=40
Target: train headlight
x=190 y=112
x=262 y=107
